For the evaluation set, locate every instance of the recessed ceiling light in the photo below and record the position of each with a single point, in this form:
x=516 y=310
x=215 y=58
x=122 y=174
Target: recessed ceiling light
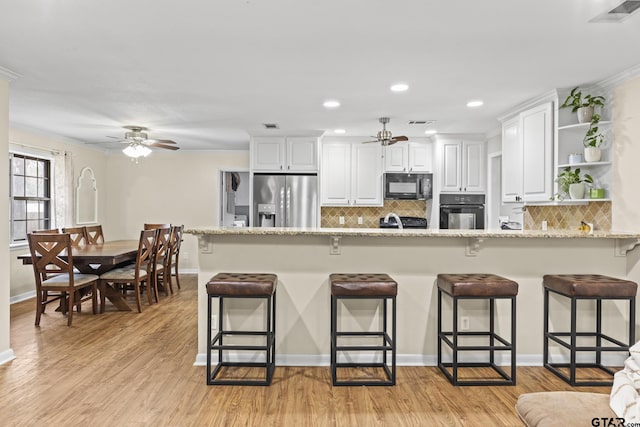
x=430 y=131
x=339 y=131
x=477 y=103
x=399 y=87
x=331 y=104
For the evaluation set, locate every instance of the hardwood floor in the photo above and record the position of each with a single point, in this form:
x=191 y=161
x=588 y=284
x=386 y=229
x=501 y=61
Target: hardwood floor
x=131 y=369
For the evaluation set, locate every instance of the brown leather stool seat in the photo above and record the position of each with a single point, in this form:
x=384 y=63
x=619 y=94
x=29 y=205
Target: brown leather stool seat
x=241 y=285
x=364 y=286
x=476 y=286
x=592 y=287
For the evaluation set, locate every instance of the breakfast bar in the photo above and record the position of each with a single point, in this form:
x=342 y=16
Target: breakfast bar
x=303 y=258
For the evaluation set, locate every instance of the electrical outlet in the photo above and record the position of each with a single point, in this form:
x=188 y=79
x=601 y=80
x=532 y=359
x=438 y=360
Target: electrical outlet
x=464 y=323
x=360 y=220
x=341 y=220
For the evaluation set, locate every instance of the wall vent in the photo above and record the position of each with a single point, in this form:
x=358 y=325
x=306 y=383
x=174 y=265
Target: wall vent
x=619 y=13
x=271 y=126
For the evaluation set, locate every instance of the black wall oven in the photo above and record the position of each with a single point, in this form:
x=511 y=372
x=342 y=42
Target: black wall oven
x=462 y=211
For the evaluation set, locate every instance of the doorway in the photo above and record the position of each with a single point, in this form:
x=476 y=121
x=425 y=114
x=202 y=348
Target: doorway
x=234 y=199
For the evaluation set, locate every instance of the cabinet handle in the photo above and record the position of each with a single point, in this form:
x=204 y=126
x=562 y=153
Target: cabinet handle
x=404 y=169
x=280 y=167
x=460 y=189
x=288 y=167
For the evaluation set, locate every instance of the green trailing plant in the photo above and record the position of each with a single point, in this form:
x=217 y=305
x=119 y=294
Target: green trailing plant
x=570 y=176
x=575 y=100
x=593 y=138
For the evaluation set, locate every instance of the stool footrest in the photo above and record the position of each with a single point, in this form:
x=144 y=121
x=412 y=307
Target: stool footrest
x=444 y=336
x=505 y=381
x=554 y=336
x=365 y=347
x=553 y=367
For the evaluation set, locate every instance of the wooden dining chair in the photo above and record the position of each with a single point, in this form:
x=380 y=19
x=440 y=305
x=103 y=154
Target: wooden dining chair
x=138 y=274
x=161 y=269
x=78 y=235
x=52 y=270
x=174 y=255
x=94 y=234
x=47 y=250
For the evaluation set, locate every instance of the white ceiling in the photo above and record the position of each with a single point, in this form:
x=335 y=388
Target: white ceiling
x=207 y=74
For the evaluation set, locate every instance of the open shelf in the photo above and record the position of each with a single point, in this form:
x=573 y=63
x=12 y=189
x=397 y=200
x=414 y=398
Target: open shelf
x=584 y=164
x=583 y=125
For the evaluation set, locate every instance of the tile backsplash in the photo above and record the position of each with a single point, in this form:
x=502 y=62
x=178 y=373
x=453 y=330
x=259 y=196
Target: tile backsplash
x=568 y=217
x=330 y=216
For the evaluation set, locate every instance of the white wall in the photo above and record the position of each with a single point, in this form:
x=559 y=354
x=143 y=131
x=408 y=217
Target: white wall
x=626 y=119
x=167 y=187
x=5 y=350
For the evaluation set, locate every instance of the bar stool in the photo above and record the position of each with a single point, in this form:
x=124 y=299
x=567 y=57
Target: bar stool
x=364 y=286
x=593 y=287
x=478 y=287
x=242 y=285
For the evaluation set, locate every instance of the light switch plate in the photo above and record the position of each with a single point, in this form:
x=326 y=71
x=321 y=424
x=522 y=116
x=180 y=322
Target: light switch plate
x=341 y=220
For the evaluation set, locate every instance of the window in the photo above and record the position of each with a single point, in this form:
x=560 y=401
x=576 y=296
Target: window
x=30 y=195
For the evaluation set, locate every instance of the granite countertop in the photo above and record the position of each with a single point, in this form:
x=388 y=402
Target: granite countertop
x=378 y=232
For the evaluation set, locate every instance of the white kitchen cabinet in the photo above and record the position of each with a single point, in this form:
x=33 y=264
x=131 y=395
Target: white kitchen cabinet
x=351 y=174
x=463 y=166
x=527 y=147
x=284 y=154
x=408 y=157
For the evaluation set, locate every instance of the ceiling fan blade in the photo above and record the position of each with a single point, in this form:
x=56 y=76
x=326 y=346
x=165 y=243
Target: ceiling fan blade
x=368 y=142
x=161 y=141
x=390 y=142
x=399 y=138
x=168 y=147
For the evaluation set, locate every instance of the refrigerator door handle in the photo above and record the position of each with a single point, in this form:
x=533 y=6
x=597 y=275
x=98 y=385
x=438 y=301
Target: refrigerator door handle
x=288 y=206
x=281 y=210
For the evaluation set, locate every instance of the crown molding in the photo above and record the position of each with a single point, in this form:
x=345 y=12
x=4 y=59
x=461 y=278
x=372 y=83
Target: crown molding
x=8 y=74
x=551 y=95
x=619 y=78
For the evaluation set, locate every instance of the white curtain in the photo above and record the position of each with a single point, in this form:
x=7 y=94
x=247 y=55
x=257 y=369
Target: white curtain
x=63 y=201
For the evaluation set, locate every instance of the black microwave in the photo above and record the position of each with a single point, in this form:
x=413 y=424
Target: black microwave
x=408 y=186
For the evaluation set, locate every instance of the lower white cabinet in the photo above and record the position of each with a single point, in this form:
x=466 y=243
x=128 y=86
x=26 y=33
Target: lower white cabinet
x=351 y=174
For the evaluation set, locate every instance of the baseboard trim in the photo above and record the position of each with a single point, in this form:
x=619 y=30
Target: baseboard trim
x=22 y=297
x=8 y=355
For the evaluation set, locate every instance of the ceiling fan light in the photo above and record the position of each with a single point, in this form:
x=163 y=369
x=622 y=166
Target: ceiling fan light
x=136 y=150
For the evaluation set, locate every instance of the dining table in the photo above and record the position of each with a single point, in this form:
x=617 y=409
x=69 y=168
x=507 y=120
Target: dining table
x=100 y=258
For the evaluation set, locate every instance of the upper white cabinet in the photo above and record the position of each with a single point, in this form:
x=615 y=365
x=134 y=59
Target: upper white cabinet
x=463 y=166
x=351 y=174
x=408 y=157
x=284 y=154
x=527 y=150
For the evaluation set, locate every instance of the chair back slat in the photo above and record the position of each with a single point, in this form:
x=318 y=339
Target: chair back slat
x=176 y=240
x=148 y=226
x=48 y=231
x=46 y=251
x=146 y=247
x=94 y=234
x=78 y=235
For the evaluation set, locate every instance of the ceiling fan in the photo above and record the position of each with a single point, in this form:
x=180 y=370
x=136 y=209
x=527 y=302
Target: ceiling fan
x=139 y=142
x=384 y=136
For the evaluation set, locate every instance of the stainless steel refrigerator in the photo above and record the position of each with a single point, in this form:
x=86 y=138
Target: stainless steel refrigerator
x=285 y=200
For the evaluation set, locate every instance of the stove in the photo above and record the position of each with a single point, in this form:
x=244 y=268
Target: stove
x=407 y=222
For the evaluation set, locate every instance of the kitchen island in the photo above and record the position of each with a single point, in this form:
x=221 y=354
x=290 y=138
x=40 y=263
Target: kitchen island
x=303 y=258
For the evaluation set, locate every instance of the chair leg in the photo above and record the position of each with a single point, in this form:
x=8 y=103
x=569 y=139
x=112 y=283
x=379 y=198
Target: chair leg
x=136 y=289
x=94 y=297
x=70 y=311
x=103 y=290
x=177 y=276
x=39 y=306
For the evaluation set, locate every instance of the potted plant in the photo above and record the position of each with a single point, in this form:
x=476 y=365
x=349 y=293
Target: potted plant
x=592 y=141
x=571 y=182
x=583 y=106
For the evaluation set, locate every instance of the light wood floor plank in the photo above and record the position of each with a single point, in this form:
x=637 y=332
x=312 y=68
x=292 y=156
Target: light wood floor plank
x=131 y=369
